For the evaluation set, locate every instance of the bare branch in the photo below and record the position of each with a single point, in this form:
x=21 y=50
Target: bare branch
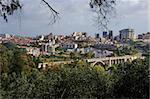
x=50 y=7
x=103 y=9
x=7 y=7
x=54 y=14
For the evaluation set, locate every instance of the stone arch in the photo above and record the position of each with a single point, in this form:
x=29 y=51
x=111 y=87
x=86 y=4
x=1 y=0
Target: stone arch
x=99 y=63
x=129 y=59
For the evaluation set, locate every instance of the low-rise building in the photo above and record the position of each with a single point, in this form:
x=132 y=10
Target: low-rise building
x=79 y=35
x=102 y=53
x=105 y=46
x=85 y=50
x=31 y=50
x=69 y=46
x=49 y=48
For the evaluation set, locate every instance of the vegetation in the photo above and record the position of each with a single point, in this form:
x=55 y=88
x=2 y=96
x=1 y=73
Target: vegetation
x=13 y=59
x=125 y=51
x=20 y=80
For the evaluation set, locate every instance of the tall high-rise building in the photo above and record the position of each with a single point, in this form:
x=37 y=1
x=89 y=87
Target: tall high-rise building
x=105 y=34
x=97 y=35
x=126 y=34
x=110 y=35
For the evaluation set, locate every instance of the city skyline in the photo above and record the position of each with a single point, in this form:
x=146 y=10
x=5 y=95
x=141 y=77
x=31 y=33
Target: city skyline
x=75 y=18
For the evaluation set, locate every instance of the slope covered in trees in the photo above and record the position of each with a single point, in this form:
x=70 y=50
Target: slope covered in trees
x=128 y=80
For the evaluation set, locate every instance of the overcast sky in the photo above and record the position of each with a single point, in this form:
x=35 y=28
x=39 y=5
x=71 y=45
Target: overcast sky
x=75 y=15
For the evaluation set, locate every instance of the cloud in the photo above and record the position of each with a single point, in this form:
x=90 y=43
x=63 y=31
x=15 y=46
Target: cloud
x=75 y=15
x=133 y=8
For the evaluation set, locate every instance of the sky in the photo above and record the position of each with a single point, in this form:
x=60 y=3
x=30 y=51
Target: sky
x=75 y=16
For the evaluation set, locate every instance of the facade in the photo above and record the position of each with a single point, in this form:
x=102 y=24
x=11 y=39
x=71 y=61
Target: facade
x=31 y=50
x=41 y=37
x=102 y=53
x=70 y=46
x=126 y=34
x=85 y=50
x=140 y=36
x=105 y=46
x=97 y=35
x=144 y=36
x=117 y=38
x=105 y=34
x=49 y=36
x=49 y=48
x=110 y=35
x=79 y=35
x=7 y=36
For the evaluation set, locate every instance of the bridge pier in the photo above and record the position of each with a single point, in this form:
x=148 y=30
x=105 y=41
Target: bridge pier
x=110 y=62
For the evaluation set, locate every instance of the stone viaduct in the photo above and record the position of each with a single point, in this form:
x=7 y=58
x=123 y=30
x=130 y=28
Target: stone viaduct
x=111 y=60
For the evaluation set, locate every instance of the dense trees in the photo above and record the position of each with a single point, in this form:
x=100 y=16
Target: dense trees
x=13 y=59
x=132 y=79
x=126 y=51
x=5 y=59
x=62 y=83
x=75 y=80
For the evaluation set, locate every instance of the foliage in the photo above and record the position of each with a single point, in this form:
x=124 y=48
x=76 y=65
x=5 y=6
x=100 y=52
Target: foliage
x=62 y=83
x=131 y=80
x=125 y=51
x=5 y=59
x=75 y=80
x=13 y=59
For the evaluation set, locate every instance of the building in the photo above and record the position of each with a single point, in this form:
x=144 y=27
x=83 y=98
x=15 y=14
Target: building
x=105 y=46
x=6 y=36
x=144 y=36
x=117 y=38
x=140 y=36
x=31 y=50
x=40 y=38
x=49 y=48
x=69 y=46
x=97 y=35
x=49 y=36
x=84 y=50
x=79 y=35
x=126 y=34
x=102 y=53
x=105 y=34
x=110 y=35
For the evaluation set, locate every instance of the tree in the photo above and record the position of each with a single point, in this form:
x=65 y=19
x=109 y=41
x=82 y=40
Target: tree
x=21 y=62
x=103 y=8
x=5 y=59
x=13 y=59
x=89 y=55
x=126 y=51
x=131 y=80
